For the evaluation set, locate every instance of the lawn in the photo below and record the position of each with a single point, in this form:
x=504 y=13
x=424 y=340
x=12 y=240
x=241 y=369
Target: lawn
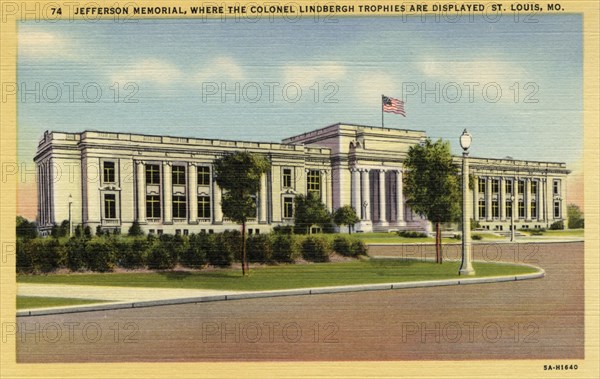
x=28 y=302
x=284 y=276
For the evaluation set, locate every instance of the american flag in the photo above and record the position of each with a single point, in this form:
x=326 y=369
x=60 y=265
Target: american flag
x=392 y=105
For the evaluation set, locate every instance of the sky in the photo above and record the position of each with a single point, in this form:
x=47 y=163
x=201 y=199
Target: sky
x=516 y=86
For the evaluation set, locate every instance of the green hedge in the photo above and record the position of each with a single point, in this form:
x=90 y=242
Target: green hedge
x=316 y=249
x=284 y=248
x=105 y=253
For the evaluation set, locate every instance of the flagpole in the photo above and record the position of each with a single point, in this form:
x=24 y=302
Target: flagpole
x=382 y=111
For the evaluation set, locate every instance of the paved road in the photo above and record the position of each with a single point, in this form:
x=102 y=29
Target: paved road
x=541 y=319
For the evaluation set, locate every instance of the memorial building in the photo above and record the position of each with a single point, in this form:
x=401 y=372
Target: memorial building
x=166 y=184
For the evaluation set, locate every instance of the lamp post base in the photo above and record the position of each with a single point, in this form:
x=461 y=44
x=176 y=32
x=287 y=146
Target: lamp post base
x=467 y=271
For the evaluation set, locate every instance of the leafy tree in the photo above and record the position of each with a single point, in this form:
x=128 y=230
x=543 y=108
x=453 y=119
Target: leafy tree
x=135 y=230
x=345 y=216
x=25 y=228
x=238 y=174
x=575 y=217
x=309 y=211
x=432 y=186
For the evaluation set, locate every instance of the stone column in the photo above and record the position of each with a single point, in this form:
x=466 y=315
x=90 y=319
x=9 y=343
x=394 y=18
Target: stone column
x=527 y=199
x=366 y=198
x=325 y=198
x=382 y=199
x=476 y=199
x=192 y=193
x=538 y=201
x=563 y=200
x=262 y=214
x=502 y=199
x=399 y=199
x=140 y=176
x=488 y=199
x=217 y=209
x=356 y=191
x=167 y=193
x=544 y=197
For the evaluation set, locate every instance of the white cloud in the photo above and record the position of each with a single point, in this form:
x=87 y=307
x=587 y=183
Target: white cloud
x=220 y=69
x=479 y=70
x=44 y=45
x=149 y=71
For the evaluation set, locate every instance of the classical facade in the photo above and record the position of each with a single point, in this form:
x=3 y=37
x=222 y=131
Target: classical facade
x=166 y=183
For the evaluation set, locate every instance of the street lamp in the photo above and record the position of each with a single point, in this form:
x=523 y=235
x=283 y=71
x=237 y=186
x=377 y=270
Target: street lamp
x=466 y=268
x=512 y=217
x=70 y=220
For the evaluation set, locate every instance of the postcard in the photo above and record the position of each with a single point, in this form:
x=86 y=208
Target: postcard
x=299 y=189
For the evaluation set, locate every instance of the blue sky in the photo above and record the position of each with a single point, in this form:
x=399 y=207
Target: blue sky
x=174 y=62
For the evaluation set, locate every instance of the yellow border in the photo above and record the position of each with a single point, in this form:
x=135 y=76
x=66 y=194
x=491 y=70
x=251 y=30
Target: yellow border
x=588 y=368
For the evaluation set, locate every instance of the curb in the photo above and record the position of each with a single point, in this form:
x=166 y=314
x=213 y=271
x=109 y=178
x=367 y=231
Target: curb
x=278 y=293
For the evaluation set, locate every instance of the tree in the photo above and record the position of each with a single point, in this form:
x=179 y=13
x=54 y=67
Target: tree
x=575 y=217
x=238 y=174
x=309 y=210
x=25 y=228
x=345 y=216
x=135 y=230
x=432 y=186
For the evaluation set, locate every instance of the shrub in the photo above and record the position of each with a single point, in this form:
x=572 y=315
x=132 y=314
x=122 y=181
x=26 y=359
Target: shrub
x=284 y=248
x=557 y=225
x=131 y=253
x=160 y=257
x=412 y=234
x=232 y=243
x=165 y=253
x=135 y=230
x=76 y=256
x=283 y=229
x=537 y=232
x=476 y=237
x=50 y=254
x=195 y=255
x=359 y=248
x=100 y=255
x=220 y=253
x=259 y=249
x=343 y=246
x=24 y=258
x=315 y=249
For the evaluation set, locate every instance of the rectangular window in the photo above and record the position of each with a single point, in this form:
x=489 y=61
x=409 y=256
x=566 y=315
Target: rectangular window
x=482 y=209
x=557 y=209
x=108 y=172
x=556 y=187
x=110 y=206
x=509 y=212
x=509 y=186
x=203 y=175
x=521 y=209
x=481 y=185
x=495 y=185
x=203 y=206
x=287 y=178
x=521 y=186
x=288 y=207
x=179 y=206
x=152 y=206
x=152 y=174
x=495 y=211
x=313 y=181
x=534 y=187
x=179 y=175
x=533 y=209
